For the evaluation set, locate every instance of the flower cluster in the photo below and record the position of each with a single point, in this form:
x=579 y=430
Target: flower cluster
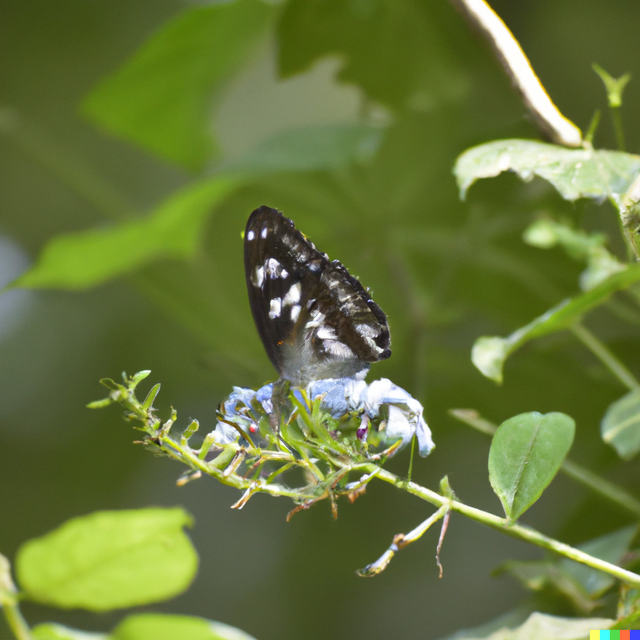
x=372 y=414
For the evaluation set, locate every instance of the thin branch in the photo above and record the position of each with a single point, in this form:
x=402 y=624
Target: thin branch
x=602 y=352
x=9 y=603
x=312 y=493
x=520 y=532
x=16 y=622
x=158 y=439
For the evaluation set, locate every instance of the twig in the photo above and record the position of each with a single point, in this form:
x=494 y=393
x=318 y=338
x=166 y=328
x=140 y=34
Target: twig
x=602 y=352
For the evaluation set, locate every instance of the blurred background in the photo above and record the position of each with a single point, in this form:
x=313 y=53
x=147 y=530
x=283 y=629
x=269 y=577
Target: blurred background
x=445 y=272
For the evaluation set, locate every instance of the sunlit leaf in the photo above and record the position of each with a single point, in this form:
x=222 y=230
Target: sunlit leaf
x=312 y=148
x=162 y=97
x=154 y=626
x=109 y=559
x=89 y=258
x=526 y=453
x=575 y=173
x=621 y=425
x=51 y=631
x=489 y=353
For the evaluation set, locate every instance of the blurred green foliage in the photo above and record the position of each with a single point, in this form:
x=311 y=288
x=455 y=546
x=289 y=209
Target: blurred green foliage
x=445 y=272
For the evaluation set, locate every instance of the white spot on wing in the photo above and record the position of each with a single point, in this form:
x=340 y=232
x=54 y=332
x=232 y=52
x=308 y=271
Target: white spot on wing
x=316 y=321
x=275 y=308
x=258 y=277
x=295 y=312
x=251 y=235
x=337 y=349
x=367 y=331
x=293 y=295
x=373 y=346
x=263 y=233
x=326 y=333
x=275 y=269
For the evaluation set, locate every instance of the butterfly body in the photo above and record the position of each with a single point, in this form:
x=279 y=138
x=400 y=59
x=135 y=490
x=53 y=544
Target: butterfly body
x=315 y=320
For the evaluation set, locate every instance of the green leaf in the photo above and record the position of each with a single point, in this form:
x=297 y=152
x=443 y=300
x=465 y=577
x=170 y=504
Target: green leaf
x=601 y=265
x=100 y=404
x=151 y=396
x=547 y=576
x=154 y=626
x=526 y=453
x=620 y=426
x=162 y=97
x=577 y=582
x=109 y=559
x=611 y=548
x=628 y=610
x=312 y=148
x=575 y=173
x=541 y=626
x=137 y=378
x=52 y=631
x=489 y=353
x=509 y=620
x=89 y=258
x=546 y=233
x=630 y=216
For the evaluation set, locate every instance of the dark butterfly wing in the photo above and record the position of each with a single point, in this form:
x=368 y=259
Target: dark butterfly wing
x=315 y=319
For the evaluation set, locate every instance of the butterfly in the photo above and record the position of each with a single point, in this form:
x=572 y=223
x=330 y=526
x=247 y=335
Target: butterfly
x=315 y=320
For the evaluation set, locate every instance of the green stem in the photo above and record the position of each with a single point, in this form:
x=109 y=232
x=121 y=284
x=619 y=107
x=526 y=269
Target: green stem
x=186 y=455
x=15 y=621
x=517 y=531
x=514 y=530
x=617 y=127
x=600 y=350
x=599 y=485
x=9 y=602
x=183 y=453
